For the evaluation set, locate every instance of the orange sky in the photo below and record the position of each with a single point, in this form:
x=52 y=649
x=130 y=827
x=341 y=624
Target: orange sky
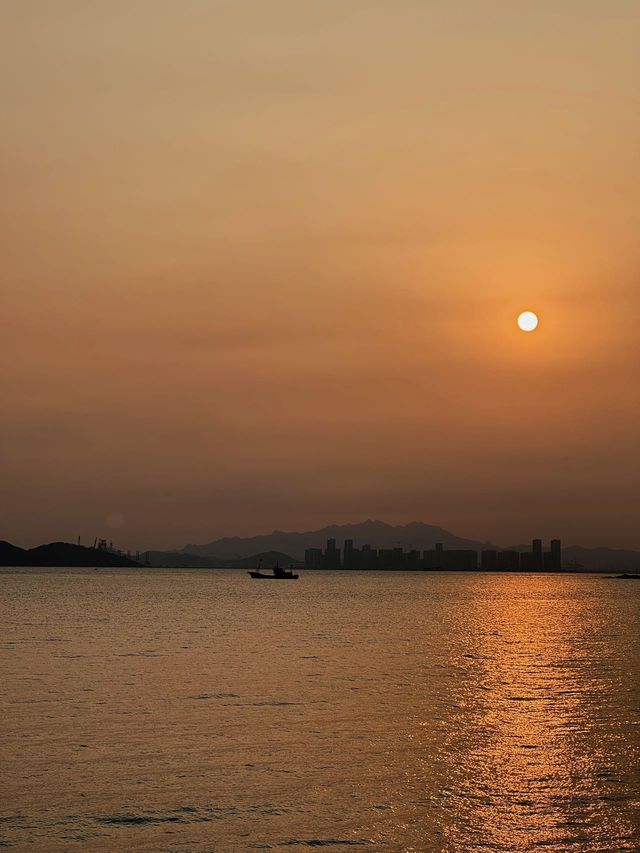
x=262 y=262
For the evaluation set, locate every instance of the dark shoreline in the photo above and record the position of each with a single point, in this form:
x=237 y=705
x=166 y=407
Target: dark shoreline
x=605 y=573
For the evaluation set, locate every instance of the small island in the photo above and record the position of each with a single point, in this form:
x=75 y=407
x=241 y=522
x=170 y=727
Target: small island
x=623 y=577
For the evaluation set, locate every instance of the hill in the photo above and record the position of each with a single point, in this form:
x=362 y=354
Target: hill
x=267 y=559
x=375 y=533
x=604 y=559
x=61 y=554
x=183 y=560
x=11 y=555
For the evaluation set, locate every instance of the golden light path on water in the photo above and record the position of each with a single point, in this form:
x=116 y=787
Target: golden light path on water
x=537 y=729
x=425 y=713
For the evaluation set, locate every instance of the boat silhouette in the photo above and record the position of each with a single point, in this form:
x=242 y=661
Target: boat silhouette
x=278 y=574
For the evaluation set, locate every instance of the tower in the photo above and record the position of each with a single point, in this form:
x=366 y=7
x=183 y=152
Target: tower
x=538 y=558
x=332 y=555
x=348 y=554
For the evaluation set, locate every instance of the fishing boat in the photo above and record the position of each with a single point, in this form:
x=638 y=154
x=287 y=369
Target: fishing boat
x=277 y=574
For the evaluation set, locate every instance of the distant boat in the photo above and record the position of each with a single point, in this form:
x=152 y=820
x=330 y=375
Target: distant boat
x=278 y=574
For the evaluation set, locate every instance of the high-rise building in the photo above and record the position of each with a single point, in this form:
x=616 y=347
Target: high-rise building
x=313 y=558
x=412 y=560
x=527 y=561
x=509 y=561
x=390 y=558
x=489 y=561
x=458 y=560
x=429 y=560
x=348 y=558
x=332 y=555
x=556 y=555
x=368 y=557
x=538 y=559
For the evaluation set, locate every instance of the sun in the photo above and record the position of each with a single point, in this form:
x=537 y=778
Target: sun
x=528 y=321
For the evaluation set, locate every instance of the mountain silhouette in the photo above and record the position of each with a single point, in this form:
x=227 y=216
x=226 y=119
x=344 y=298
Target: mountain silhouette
x=184 y=560
x=378 y=534
x=62 y=554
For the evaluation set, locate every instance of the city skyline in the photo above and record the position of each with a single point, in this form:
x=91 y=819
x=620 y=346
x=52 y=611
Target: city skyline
x=438 y=558
x=453 y=543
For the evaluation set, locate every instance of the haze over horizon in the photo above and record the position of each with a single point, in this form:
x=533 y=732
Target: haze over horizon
x=262 y=264
x=117 y=534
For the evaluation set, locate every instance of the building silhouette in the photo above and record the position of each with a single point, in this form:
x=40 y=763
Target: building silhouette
x=538 y=559
x=437 y=559
x=313 y=558
x=489 y=560
x=332 y=555
x=555 y=555
x=349 y=561
x=508 y=561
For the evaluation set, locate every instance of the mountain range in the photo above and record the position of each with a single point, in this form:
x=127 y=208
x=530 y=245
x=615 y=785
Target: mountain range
x=378 y=534
x=291 y=546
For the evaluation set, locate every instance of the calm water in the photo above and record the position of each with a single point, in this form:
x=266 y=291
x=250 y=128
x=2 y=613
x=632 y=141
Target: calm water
x=202 y=711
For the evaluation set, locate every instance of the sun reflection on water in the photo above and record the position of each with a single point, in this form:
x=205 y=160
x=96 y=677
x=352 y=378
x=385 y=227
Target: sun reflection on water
x=390 y=711
x=528 y=738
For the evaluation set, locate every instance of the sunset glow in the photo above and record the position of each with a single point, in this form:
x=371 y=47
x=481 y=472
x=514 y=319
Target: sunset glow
x=319 y=447
x=244 y=244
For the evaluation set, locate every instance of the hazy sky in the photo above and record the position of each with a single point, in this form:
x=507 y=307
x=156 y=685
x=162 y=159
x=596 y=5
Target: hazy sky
x=261 y=262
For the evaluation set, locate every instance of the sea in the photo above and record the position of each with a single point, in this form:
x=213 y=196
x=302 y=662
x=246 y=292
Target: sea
x=187 y=711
